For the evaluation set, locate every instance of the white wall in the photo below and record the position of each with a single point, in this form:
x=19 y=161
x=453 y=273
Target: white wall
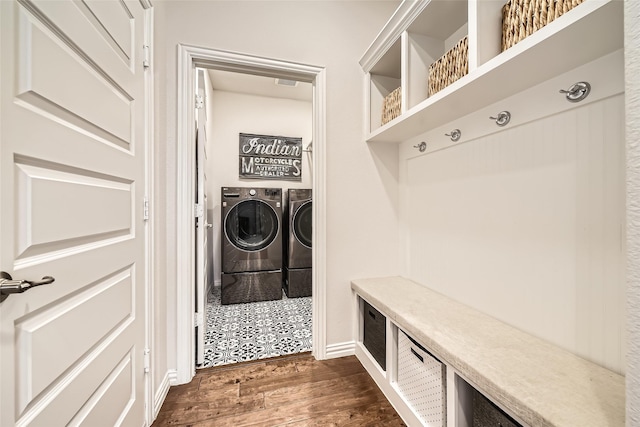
x=233 y=113
x=361 y=180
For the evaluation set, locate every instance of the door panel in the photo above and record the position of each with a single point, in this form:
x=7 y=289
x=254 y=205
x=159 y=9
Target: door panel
x=72 y=181
x=93 y=209
x=115 y=391
x=116 y=384
x=80 y=29
x=46 y=354
x=114 y=17
x=89 y=96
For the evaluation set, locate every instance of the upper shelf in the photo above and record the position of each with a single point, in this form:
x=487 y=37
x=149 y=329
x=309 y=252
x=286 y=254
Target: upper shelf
x=581 y=35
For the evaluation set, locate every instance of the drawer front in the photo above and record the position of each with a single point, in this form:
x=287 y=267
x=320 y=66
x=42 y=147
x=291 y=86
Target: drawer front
x=375 y=334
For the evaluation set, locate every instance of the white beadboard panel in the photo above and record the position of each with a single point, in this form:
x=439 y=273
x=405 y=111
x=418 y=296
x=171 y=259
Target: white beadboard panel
x=88 y=99
x=528 y=225
x=605 y=74
x=45 y=356
x=59 y=207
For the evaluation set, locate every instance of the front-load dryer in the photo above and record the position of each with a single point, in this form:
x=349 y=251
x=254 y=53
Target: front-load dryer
x=251 y=244
x=298 y=259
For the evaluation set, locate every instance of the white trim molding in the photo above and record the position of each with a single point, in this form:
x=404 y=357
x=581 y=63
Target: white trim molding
x=341 y=349
x=190 y=57
x=185 y=345
x=632 y=104
x=404 y=15
x=161 y=393
x=150 y=228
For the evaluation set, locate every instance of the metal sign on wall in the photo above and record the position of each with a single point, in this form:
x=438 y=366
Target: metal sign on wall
x=270 y=157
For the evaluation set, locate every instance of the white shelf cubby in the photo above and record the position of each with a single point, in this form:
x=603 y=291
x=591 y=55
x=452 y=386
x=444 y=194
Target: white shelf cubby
x=423 y=30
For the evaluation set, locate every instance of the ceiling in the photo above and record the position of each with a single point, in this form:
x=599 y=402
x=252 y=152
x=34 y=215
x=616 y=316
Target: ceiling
x=258 y=85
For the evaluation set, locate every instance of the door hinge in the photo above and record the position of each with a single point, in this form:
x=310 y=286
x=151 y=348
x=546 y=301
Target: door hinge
x=198 y=319
x=145 y=209
x=147 y=360
x=146 y=61
x=199 y=210
x=199 y=101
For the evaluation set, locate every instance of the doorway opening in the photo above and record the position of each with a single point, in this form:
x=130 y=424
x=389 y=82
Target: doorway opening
x=189 y=59
x=254 y=233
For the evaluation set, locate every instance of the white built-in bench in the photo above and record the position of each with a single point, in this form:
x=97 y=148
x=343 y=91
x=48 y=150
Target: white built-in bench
x=537 y=382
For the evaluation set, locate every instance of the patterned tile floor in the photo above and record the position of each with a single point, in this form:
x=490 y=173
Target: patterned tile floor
x=257 y=330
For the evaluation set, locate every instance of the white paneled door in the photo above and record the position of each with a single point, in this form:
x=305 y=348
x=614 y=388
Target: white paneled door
x=72 y=184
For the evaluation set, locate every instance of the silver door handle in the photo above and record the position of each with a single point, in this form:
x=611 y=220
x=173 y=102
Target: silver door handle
x=9 y=286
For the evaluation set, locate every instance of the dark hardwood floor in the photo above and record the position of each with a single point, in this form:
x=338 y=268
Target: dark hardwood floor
x=292 y=391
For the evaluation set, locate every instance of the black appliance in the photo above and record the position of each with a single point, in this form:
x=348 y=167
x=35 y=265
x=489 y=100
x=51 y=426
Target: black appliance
x=251 y=244
x=298 y=248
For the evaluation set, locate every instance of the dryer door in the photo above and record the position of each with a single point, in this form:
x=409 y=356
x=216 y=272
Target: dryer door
x=302 y=224
x=251 y=225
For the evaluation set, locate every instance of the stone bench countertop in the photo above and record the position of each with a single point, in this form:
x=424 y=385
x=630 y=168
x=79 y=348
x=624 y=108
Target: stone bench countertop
x=542 y=384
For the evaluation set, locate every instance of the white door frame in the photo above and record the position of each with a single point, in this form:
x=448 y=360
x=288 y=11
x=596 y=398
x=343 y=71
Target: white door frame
x=150 y=412
x=190 y=57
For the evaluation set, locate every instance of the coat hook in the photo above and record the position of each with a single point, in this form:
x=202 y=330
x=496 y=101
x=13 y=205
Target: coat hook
x=504 y=117
x=454 y=135
x=422 y=146
x=577 y=92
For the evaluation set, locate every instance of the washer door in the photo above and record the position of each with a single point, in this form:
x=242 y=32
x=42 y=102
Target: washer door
x=302 y=224
x=251 y=225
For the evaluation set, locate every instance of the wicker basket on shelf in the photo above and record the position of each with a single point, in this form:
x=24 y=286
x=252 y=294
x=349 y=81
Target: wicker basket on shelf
x=391 y=106
x=521 y=18
x=450 y=67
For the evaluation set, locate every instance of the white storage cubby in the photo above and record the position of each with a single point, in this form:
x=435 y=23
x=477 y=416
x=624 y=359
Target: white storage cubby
x=384 y=79
x=421 y=31
x=473 y=408
x=425 y=390
x=430 y=36
x=494 y=372
x=422 y=382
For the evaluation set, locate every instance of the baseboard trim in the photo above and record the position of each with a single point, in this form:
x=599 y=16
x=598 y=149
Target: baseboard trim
x=340 y=349
x=169 y=379
x=173 y=377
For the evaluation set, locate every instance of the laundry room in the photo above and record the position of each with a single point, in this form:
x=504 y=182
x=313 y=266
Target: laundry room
x=251 y=312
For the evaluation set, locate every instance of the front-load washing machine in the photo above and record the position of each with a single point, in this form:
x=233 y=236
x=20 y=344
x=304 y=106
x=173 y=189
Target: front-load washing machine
x=251 y=244
x=298 y=259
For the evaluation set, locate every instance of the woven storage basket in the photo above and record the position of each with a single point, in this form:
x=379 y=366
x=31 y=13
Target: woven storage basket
x=521 y=18
x=450 y=67
x=391 y=106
